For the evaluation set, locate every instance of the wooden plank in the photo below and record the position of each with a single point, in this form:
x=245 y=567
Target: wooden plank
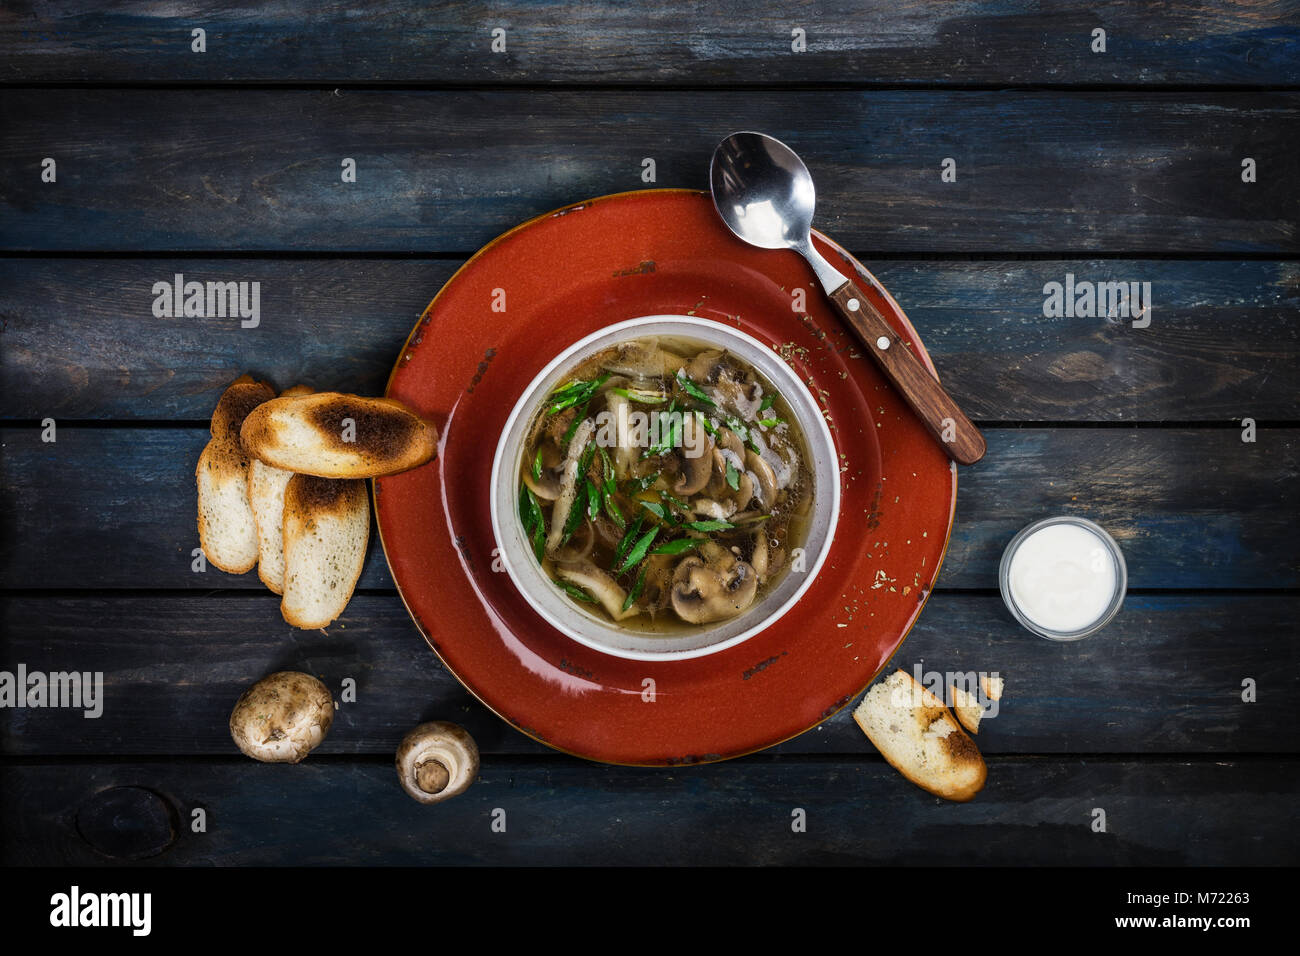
x=1164 y=677
x=560 y=811
x=1192 y=508
x=1224 y=341
x=174 y=170
x=847 y=41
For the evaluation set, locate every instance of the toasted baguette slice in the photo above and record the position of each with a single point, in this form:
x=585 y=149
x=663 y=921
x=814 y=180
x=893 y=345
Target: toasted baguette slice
x=967 y=708
x=914 y=731
x=240 y=397
x=266 y=495
x=333 y=435
x=326 y=529
x=227 y=530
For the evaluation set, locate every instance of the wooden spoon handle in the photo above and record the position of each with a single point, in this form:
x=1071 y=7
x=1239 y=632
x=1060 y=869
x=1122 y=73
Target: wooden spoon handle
x=920 y=389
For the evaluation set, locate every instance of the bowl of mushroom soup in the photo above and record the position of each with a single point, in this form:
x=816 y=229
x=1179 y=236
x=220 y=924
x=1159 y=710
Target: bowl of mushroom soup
x=665 y=488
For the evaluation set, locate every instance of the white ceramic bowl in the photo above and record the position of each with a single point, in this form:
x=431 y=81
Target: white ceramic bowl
x=590 y=628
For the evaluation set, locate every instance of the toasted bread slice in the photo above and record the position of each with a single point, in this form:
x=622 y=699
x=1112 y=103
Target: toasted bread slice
x=992 y=686
x=914 y=731
x=967 y=708
x=240 y=397
x=333 y=435
x=266 y=494
x=227 y=530
x=326 y=529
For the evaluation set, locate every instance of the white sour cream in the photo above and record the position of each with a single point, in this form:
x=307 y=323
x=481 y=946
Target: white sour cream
x=1063 y=577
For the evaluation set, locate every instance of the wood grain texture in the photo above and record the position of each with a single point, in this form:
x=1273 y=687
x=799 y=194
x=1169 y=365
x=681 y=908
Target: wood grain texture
x=869 y=41
x=561 y=811
x=1198 y=508
x=143 y=170
x=1164 y=677
x=1224 y=342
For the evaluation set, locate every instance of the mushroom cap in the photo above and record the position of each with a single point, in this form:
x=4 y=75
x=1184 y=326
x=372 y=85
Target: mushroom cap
x=282 y=718
x=437 y=761
x=697 y=468
x=731 y=441
x=702 y=368
x=643 y=359
x=712 y=590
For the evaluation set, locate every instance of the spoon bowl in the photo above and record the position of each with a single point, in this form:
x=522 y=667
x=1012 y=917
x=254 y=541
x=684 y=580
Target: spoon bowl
x=769 y=194
x=765 y=195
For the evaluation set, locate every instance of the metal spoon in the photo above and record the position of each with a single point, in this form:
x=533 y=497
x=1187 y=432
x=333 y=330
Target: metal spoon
x=764 y=193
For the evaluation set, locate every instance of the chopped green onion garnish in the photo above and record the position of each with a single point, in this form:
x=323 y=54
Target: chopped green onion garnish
x=733 y=477
x=641 y=397
x=530 y=512
x=768 y=401
x=615 y=515
x=628 y=537
x=771 y=422
x=573 y=425
x=655 y=509
x=537 y=466
x=709 y=525
x=680 y=546
x=674 y=501
x=635 y=593
x=693 y=390
x=594 y=500
x=638 y=551
x=575 y=393
x=737 y=426
x=575 y=592
x=575 y=514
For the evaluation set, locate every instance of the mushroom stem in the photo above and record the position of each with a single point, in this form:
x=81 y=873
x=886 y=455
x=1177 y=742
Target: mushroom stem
x=431 y=776
x=568 y=484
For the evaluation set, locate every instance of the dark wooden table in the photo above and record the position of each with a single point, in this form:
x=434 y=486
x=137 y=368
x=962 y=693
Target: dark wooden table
x=1122 y=165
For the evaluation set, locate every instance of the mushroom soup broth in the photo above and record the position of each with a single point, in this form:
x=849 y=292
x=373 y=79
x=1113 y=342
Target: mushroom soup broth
x=665 y=485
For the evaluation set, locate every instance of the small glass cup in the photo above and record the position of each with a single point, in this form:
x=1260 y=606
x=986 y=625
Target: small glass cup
x=1117 y=599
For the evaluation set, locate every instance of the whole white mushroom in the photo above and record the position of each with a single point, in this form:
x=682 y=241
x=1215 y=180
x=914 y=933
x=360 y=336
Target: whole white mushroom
x=282 y=718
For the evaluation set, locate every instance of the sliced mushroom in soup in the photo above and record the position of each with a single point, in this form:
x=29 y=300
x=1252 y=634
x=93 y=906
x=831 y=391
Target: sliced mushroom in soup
x=663 y=484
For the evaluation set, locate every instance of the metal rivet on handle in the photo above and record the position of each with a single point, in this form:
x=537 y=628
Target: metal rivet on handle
x=882 y=343
x=853 y=305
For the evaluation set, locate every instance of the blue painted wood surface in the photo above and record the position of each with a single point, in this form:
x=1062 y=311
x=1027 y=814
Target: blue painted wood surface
x=1037 y=172
x=1125 y=165
x=1224 y=342
x=1165 y=677
x=1165 y=811
x=675 y=42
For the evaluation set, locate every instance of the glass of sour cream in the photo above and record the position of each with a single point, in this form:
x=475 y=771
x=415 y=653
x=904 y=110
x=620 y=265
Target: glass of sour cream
x=1063 y=578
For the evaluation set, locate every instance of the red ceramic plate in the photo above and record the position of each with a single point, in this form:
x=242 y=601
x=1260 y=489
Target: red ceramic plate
x=496 y=323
